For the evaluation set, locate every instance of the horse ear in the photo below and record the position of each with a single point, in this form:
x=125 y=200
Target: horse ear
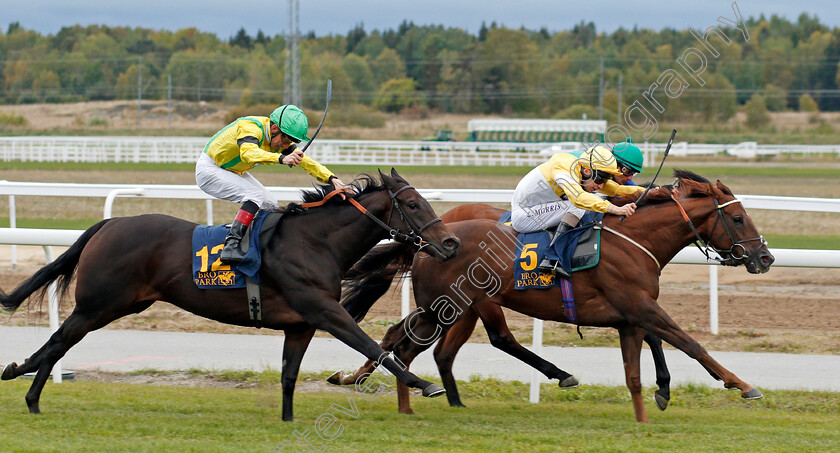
x=387 y=180
x=397 y=176
x=723 y=188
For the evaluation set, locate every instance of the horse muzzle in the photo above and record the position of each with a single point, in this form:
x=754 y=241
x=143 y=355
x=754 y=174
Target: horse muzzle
x=760 y=261
x=443 y=250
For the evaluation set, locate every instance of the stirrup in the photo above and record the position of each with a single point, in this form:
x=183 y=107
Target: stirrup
x=231 y=253
x=560 y=272
x=547 y=265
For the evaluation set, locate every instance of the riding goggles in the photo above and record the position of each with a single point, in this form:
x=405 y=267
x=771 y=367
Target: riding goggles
x=627 y=171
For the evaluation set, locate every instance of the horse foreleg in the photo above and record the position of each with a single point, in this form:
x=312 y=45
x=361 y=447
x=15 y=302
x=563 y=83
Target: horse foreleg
x=327 y=314
x=631 y=347
x=663 y=378
x=394 y=334
x=660 y=324
x=294 y=346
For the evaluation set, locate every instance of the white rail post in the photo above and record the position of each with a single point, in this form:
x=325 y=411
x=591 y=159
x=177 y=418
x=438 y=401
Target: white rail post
x=13 y=224
x=406 y=295
x=52 y=292
x=109 y=200
x=713 y=299
x=536 y=348
x=209 y=204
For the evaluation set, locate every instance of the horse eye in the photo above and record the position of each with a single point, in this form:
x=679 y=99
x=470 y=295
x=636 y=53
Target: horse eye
x=738 y=219
x=412 y=205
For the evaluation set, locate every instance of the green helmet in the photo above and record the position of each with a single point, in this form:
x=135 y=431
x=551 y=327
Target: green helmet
x=629 y=154
x=291 y=120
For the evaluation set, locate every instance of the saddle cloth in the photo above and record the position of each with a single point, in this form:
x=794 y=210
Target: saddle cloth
x=576 y=250
x=207 y=243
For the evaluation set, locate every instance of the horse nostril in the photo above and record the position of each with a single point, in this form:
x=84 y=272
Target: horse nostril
x=451 y=243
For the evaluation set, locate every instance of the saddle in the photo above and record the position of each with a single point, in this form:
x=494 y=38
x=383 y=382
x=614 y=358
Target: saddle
x=210 y=273
x=575 y=250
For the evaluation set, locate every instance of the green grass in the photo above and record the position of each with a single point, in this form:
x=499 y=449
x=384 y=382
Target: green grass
x=126 y=417
x=803 y=242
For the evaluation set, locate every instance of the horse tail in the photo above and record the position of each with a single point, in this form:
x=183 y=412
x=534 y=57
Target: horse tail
x=60 y=270
x=372 y=275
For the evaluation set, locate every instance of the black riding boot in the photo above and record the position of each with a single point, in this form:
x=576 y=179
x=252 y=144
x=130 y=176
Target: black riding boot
x=553 y=266
x=232 y=253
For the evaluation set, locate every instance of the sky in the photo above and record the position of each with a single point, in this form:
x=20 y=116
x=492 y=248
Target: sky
x=225 y=17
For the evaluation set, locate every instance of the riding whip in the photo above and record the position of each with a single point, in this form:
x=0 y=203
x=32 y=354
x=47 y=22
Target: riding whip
x=326 y=107
x=667 y=149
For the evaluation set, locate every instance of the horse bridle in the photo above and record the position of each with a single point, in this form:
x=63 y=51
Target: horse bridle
x=412 y=237
x=736 y=253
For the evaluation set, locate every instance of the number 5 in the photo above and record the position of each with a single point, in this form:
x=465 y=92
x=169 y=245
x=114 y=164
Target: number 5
x=529 y=253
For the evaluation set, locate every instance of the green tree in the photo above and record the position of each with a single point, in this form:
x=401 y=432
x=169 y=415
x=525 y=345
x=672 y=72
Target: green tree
x=361 y=78
x=397 y=94
x=387 y=66
x=808 y=104
x=775 y=97
x=47 y=86
x=756 y=110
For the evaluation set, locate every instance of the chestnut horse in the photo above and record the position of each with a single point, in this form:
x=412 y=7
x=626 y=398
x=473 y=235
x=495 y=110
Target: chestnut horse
x=491 y=315
x=124 y=265
x=620 y=292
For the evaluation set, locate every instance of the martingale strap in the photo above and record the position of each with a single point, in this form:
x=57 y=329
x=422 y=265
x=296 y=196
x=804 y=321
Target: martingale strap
x=626 y=238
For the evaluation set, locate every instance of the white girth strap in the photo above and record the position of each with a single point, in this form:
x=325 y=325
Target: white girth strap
x=606 y=228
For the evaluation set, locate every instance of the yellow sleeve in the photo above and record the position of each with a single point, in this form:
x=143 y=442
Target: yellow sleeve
x=318 y=171
x=248 y=136
x=614 y=189
x=581 y=198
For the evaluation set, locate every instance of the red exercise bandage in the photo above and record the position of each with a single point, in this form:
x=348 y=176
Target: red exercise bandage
x=244 y=217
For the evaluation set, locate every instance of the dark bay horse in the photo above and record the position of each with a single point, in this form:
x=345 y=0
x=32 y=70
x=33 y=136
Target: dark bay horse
x=359 y=283
x=124 y=265
x=620 y=292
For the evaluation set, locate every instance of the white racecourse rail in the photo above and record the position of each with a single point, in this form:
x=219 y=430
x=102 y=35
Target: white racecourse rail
x=356 y=152
x=47 y=237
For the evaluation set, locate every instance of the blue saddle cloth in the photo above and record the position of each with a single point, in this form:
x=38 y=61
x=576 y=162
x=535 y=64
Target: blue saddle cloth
x=531 y=248
x=209 y=272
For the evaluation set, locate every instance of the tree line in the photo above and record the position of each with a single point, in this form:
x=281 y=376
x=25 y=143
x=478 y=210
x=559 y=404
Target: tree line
x=519 y=72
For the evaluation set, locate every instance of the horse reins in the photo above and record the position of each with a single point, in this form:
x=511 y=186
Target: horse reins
x=727 y=228
x=412 y=237
x=706 y=246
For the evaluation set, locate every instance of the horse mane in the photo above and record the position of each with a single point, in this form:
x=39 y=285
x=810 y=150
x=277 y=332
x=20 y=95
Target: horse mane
x=688 y=185
x=363 y=184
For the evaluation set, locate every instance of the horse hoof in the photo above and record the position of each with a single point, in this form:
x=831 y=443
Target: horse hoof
x=8 y=372
x=569 y=383
x=661 y=401
x=335 y=379
x=433 y=391
x=752 y=394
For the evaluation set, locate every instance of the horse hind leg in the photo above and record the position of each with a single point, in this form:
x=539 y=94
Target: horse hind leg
x=631 y=348
x=447 y=348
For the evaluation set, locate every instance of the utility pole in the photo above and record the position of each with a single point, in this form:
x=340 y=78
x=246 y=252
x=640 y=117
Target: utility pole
x=618 y=118
x=291 y=92
x=169 y=98
x=601 y=91
x=139 y=89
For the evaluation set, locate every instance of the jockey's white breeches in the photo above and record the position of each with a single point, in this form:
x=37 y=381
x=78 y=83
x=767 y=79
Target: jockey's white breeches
x=227 y=185
x=536 y=207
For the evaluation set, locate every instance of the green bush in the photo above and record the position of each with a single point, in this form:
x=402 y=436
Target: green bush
x=576 y=111
x=250 y=110
x=356 y=115
x=12 y=119
x=807 y=104
x=756 y=109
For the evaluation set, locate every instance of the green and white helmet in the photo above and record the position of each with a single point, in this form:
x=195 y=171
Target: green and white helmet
x=291 y=120
x=630 y=155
